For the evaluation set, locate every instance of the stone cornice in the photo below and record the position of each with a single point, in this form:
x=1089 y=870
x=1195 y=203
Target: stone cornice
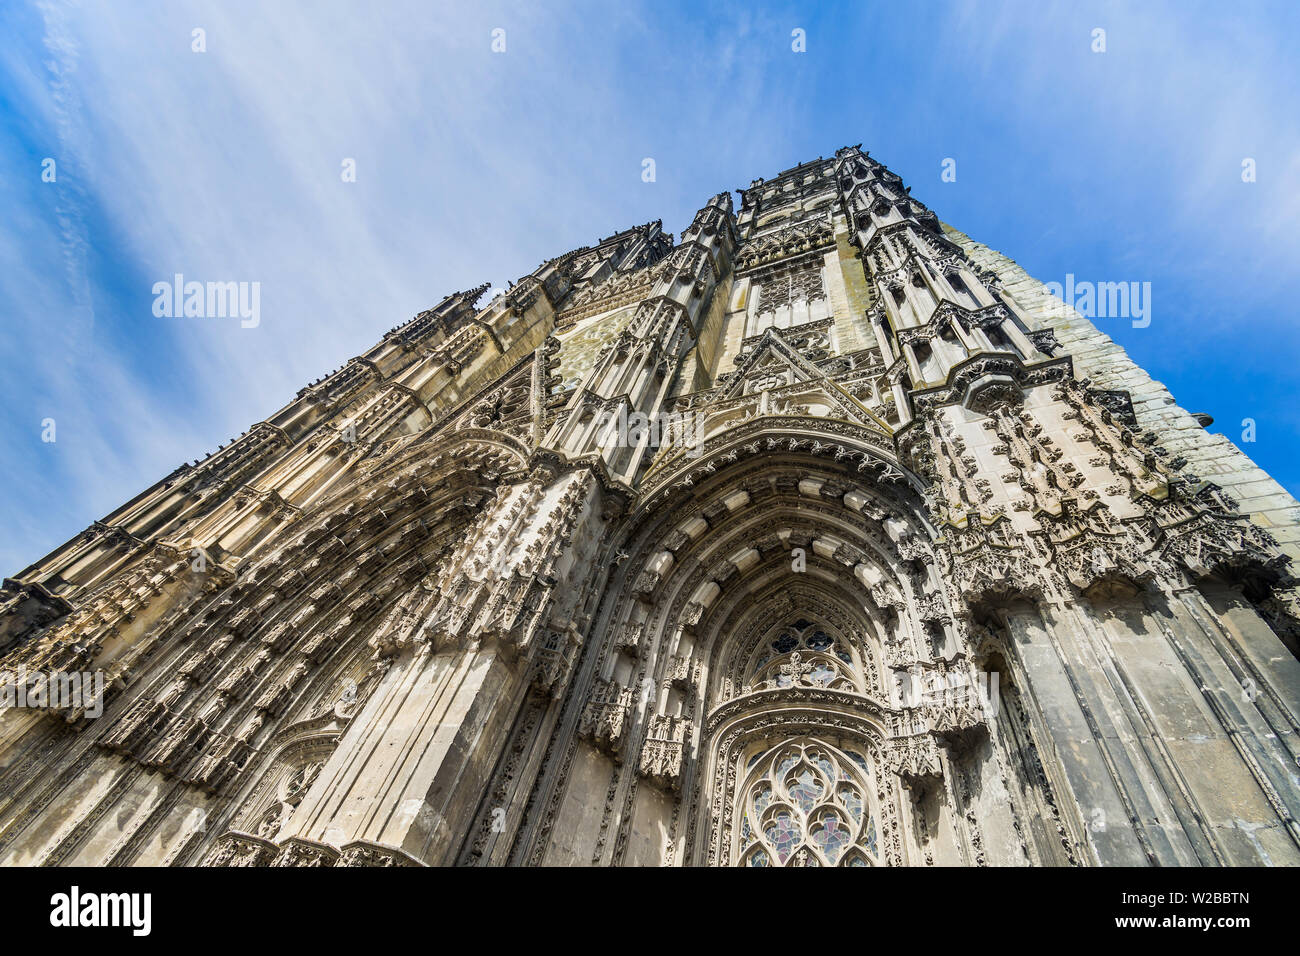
x=765 y=699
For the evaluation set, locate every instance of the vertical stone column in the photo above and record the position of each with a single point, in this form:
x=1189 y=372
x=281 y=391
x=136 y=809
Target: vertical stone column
x=1067 y=714
x=461 y=656
x=407 y=774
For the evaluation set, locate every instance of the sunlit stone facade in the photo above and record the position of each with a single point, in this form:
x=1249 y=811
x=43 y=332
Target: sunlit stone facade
x=817 y=536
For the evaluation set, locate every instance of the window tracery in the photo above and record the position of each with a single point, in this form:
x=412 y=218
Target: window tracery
x=804 y=654
x=806 y=803
x=783 y=291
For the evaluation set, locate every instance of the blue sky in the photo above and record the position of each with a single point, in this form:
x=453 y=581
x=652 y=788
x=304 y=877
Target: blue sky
x=474 y=166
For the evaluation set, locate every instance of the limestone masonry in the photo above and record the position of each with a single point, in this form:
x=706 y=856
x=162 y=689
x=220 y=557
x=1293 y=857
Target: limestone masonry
x=821 y=536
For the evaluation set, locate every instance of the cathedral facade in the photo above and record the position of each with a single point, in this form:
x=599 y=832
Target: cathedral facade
x=820 y=536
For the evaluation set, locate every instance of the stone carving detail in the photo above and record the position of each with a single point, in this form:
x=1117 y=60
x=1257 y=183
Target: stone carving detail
x=987 y=560
x=241 y=849
x=296 y=852
x=456 y=573
x=801 y=238
x=914 y=759
x=664 y=751
x=782 y=291
x=606 y=717
x=371 y=854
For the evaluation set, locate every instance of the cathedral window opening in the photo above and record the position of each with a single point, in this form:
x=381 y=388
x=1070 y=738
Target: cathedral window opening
x=807 y=803
x=803 y=655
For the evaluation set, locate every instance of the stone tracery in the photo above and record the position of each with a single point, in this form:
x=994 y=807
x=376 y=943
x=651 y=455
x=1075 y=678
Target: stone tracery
x=806 y=803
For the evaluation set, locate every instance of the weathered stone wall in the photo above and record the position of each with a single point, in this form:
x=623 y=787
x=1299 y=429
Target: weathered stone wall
x=1212 y=457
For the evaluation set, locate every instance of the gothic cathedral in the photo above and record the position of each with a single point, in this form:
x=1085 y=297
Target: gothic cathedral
x=820 y=536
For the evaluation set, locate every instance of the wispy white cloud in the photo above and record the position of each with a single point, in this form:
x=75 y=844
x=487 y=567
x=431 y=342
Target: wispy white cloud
x=473 y=166
x=225 y=165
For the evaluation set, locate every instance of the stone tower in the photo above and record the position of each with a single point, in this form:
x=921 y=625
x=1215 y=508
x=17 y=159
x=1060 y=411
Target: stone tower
x=820 y=536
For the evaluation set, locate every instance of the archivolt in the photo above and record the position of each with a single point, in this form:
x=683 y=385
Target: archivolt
x=743 y=523
x=295 y=624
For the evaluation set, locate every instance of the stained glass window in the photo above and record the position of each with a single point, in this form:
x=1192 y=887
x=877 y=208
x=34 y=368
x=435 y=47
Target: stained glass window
x=820 y=641
x=829 y=836
x=851 y=800
x=802 y=654
x=785 y=643
x=783 y=834
x=825 y=765
x=805 y=789
x=822 y=673
x=806 y=803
